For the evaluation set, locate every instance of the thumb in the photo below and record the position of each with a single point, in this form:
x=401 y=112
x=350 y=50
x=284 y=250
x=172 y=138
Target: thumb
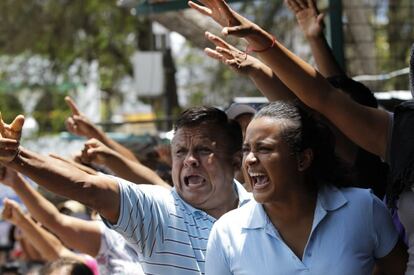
x=92 y=152
x=17 y=123
x=320 y=18
x=239 y=31
x=1 y=124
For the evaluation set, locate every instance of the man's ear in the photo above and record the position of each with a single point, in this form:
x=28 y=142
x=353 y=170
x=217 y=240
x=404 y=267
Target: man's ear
x=237 y=160
x=305 y=159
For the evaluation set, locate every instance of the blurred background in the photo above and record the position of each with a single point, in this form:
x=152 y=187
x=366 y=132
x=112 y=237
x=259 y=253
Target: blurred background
x=133 y=65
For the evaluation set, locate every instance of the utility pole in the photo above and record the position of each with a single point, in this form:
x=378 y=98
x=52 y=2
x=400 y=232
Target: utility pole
x=335 y=31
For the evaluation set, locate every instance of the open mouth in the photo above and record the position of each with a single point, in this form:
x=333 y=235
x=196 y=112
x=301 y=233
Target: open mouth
x=194 y=181
x=259 y=180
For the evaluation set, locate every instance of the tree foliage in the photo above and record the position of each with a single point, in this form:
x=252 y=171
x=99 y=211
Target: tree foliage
x=68 y=30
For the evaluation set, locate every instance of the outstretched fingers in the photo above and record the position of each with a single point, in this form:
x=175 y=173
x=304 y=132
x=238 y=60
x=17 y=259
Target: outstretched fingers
x=200 y=9
x=225 y=52
x=72 y=106
x=312 y=4
x=214 y=54
x=303 y=4
x=216 y=40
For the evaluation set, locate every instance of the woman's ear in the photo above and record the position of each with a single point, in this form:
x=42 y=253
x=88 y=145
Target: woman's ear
x=305 y=159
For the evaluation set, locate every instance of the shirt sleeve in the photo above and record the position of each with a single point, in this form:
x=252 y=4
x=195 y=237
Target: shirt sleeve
x=216 y=260
x=143 y=212
x=386 y=235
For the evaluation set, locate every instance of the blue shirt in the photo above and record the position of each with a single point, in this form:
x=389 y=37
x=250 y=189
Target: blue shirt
x=169 y=235
x=351 y=227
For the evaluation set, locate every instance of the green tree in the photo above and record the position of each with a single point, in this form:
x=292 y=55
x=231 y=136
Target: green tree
x=400 y=33
x=10 y=107
x=69 y=32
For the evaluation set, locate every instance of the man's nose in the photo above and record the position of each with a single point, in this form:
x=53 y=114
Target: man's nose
x=191 y=160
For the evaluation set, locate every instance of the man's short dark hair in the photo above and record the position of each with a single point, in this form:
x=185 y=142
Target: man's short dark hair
x=205 y=115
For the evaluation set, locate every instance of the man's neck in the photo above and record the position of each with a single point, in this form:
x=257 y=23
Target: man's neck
x=231 y=202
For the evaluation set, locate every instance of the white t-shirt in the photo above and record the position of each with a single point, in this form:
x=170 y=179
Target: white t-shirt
x=115 y=255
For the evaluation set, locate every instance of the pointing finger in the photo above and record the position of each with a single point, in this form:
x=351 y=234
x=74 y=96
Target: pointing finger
x=72 y=105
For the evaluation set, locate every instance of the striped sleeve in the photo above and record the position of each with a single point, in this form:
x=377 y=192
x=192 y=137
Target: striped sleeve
x=143 y=212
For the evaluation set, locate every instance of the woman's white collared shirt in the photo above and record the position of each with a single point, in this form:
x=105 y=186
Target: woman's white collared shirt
x=351 y=227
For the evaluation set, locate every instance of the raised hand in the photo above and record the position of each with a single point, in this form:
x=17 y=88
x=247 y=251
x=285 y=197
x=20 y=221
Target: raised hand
x=308 y=16
x=96 y=152
x=9 y=138
x=237 y=60
x=12 y=212
x=78 y=124
x=220 y=11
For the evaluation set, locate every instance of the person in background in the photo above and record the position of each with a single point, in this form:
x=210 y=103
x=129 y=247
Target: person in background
x=112 y=252
x=49 y=246
x=370 y=171
x=173 y=225
x=78 y=124
x=242 y=114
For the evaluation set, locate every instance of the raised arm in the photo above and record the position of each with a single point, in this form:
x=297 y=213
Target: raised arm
x=134 y=171
x=367 y=127
x=79 y=124
x=97 y=191
x=84 y=236
x=310 y=21
x=261 y=75
x=46 y=243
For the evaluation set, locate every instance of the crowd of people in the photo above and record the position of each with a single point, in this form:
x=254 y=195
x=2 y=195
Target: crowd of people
x=297 y=187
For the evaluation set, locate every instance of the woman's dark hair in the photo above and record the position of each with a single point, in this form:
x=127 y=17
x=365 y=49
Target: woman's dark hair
x=212 y=117
x=66 y=266
x=302 y=131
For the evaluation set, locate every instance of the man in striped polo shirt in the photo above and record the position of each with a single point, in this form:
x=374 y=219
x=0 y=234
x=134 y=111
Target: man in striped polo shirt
x=168 y=229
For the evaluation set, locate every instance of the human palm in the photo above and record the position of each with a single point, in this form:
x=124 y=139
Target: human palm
x=221 y=12
x=239 y=61
x=78 y=124
x=12 y=130
x=9 y=138
x=310 y=22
